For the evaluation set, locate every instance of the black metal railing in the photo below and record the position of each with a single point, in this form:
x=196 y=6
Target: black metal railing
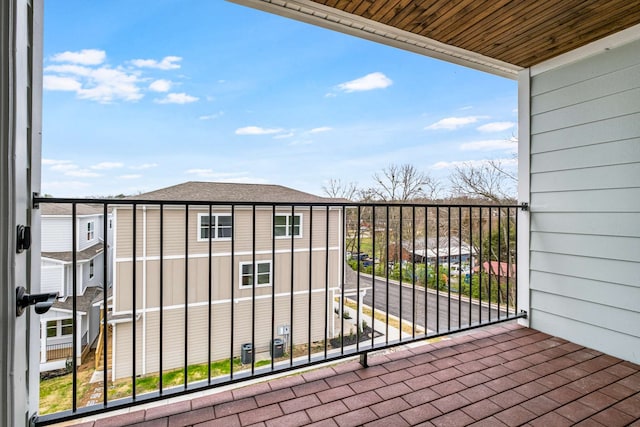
x=211 y=293
x=59 y=351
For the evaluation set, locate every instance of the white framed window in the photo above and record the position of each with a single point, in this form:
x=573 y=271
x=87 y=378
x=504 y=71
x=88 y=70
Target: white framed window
x=220 y=226
x=52 y=328
x=287 y=225
x=66 y=327
x=261 y=277
x=91 y=269
x=59 y=328
x=91 y=226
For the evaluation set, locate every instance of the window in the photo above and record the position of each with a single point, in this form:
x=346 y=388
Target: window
x=90 y=230
x=286 y=223
x=56 y=328
x=219 y=224
x=52 y=328
x=262 y=277
x=91 y=269
x=67 y=327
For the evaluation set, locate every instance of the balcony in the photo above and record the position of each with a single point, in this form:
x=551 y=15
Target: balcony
x=497 y=375
x=208 y=294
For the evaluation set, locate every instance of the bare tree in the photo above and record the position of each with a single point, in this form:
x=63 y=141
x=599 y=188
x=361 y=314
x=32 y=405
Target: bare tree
x=335 y=188
x=489 y=180
x=399 y=183
x=492 y=181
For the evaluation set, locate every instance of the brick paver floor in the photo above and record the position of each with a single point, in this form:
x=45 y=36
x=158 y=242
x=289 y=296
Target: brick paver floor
x=504 y=375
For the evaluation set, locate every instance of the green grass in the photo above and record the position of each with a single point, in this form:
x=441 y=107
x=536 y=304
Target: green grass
x=175 y=377
x=55 y=393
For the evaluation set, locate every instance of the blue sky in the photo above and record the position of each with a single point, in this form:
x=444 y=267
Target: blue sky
x=144 y=94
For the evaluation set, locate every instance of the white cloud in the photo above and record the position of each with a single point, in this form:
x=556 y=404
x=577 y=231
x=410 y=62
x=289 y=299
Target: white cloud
x=144 y=166
x=82 y=173
x=76 y=70
x=496 y=126
x=210 y=174
x=107 y=165
x=64 y=167
x=212 y=116
x=284 y=135
x=177 y=98
x=166 y=63
x=320 y=129
x=472 y=163
x=490 y=145
x=160 y=85
x=68 y=168
x=61 y=83
x=452 y=123
x=103 y=84
x=130 y=176
x=84 y=57
x=255 y=130
x=369 y=82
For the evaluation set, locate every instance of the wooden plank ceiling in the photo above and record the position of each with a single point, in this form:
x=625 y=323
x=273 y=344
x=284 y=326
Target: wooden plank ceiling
x=519 y=32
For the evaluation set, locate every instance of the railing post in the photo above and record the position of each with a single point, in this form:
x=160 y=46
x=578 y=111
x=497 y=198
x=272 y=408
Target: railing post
x=363 y=360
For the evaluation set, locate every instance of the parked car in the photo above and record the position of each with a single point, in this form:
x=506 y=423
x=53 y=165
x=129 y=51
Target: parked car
x=361 y=256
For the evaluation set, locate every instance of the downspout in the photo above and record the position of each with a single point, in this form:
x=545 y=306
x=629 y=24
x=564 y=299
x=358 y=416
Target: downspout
x=144 y=290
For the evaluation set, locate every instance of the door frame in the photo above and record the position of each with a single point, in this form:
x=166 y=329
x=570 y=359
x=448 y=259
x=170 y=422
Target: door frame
x=21 y=35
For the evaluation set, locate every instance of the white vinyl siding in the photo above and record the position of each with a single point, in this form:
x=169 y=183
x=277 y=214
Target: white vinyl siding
x=56 y=234
x=52 y=278
x=585 y=202
x=89 y=231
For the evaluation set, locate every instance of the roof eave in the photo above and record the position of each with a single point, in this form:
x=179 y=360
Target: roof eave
x=333 y=19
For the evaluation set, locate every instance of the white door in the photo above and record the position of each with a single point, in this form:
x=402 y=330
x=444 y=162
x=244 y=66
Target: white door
x=20 y=128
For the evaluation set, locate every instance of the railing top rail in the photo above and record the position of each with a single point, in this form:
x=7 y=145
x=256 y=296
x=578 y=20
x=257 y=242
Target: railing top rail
x=130 y=202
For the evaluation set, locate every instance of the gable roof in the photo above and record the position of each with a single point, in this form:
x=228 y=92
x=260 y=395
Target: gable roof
x=232 y=192
x=64 y=209
x=84 y=255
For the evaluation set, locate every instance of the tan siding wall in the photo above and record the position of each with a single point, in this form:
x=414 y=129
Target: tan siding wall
x=198 y=291
x=124 y=351
x=123 y=289
x=174 y=231
x=173 y=332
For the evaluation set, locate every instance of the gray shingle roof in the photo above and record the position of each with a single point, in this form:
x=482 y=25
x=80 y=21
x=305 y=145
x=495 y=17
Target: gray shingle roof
x=84 y=255
x=65 y=209
x=83 y=302
x=231 y=192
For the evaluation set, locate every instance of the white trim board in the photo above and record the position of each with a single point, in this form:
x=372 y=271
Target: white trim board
x=333 y=19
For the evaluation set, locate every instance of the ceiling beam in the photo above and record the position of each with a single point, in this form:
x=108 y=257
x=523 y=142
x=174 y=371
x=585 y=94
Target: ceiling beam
x=333 y=19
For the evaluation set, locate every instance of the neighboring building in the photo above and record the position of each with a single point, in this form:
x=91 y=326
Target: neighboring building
x=57 y=276
x=503 y=271
x=443 y=249
x=238 y=240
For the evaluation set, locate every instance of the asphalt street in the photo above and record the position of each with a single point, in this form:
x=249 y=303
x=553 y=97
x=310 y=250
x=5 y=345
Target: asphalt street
x=444 y=312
